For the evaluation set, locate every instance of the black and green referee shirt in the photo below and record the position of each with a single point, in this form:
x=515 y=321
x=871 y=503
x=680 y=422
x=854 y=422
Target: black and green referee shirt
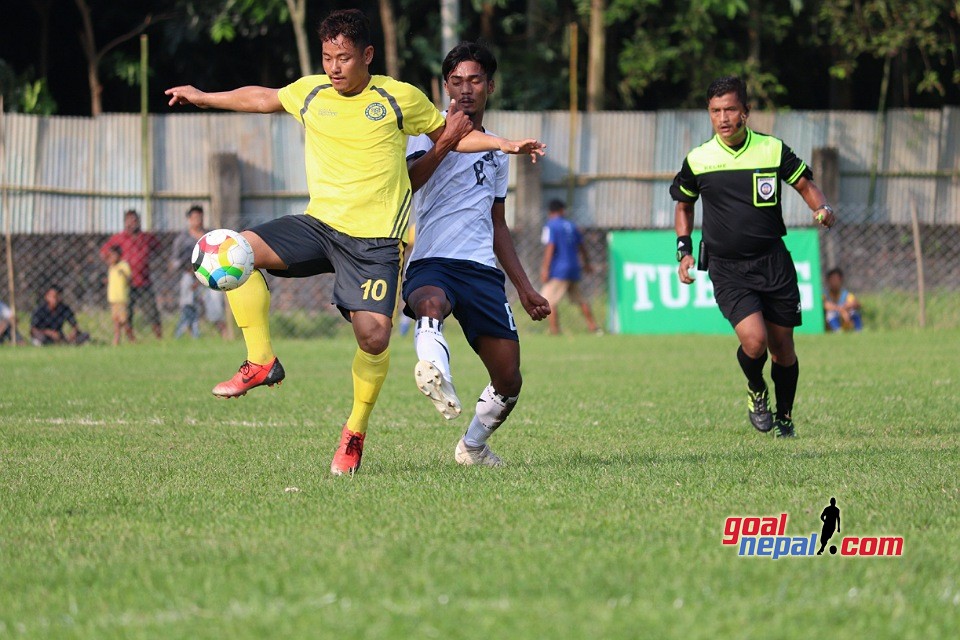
x=742 y=216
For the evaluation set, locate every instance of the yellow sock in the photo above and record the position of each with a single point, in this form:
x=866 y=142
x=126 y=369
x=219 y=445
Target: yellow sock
x=250 y=305
x=369 y=372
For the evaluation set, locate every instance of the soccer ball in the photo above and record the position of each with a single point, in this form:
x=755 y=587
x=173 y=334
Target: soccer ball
x=222 y=259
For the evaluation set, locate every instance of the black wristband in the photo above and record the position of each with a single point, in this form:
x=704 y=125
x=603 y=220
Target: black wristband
x=684 y=247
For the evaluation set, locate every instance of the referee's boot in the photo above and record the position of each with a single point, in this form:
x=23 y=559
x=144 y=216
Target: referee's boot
x=249 y=376
x=783 y=427
x=758 y=408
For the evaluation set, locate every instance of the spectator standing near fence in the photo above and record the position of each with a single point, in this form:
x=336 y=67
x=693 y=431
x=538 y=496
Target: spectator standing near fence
x=181 y=254
x=49 y=318
x=565 y=259
x=118 y=294
x=738 y=173
x=139 y=248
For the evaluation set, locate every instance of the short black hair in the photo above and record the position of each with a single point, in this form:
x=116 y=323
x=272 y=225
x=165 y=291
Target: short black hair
x=556 y=205
x=728 y=84
x=195 y=207
x=352 y=24
x=836 y=271
x=54 y=287
x=115 y=249
x=131 y=212
x=470 y=52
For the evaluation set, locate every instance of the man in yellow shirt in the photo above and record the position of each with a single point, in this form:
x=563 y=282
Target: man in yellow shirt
x=356 y=128
x=118 y=294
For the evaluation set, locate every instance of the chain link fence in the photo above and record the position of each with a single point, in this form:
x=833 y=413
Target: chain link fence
x=906 y=275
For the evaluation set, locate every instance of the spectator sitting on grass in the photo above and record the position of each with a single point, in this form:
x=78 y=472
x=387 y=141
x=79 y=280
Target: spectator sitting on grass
x=842 y=309
x=46 y=324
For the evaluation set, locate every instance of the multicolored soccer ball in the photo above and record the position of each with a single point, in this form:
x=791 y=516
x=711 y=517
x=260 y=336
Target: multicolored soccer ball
x=222 y=259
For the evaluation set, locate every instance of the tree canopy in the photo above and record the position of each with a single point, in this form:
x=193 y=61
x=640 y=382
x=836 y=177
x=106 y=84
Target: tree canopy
x=809 y=54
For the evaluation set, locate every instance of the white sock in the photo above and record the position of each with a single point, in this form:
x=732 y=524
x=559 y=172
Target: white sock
x=430 y=345
x=492 y=410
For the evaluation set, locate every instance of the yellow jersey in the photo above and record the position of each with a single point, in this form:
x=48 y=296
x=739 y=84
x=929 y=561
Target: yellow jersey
x=118 y=283
x=355 y=151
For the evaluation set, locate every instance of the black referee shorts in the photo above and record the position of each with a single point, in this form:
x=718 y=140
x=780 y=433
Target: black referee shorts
x=367 y=269
x=767 y=284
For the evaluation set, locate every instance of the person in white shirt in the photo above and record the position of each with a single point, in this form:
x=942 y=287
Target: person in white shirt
x=461 y=233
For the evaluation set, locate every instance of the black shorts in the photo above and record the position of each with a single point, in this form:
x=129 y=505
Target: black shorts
x=367 y=269
x=767 y=284
x=474 y=290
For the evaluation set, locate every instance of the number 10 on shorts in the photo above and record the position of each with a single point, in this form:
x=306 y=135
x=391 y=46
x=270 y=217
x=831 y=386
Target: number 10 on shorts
x=375 y=289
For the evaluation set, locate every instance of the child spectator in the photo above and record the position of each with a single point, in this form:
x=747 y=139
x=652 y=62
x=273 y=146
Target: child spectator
x=841 y=307
x=118 y=294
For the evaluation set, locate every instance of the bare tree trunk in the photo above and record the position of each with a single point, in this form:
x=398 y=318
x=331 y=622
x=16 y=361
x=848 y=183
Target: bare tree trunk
x=595 y=56
x=298 y=16
x=486 y=20
x=389 y=22
x=89 y=44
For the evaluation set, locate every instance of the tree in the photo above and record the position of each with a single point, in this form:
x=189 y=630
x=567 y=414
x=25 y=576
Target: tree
x=596 y=56
x=904 y=32
x=389 y=24
x=251 y=17
x=94 y=56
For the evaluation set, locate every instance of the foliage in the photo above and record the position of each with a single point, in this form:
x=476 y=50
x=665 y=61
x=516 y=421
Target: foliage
x=922 y=30
x=659 y=54
x=25 y=94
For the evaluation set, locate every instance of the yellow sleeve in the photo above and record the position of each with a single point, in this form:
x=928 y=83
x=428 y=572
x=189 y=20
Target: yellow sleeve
x=419 y=114
x=296 y=95
x=125 y=271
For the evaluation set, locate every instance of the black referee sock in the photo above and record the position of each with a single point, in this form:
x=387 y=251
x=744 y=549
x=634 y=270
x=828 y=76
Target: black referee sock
x=785 y=386
x=753 y=369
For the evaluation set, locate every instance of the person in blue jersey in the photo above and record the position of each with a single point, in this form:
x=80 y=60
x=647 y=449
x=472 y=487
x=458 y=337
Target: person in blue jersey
x=461 y=234
x=565 y=260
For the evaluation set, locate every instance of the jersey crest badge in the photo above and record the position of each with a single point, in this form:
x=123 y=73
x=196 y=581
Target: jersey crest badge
x=375 y=111
x=766 y=188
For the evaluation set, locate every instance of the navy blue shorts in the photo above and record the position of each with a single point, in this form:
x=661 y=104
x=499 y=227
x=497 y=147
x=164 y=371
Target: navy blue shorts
x=474 y=290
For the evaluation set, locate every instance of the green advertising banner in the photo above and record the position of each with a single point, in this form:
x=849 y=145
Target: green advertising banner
x=646 y=295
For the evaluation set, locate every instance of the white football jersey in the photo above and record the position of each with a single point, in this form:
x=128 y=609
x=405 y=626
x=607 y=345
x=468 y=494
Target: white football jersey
x=453 y=208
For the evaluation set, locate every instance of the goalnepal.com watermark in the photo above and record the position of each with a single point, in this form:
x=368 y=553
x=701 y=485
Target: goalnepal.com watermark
x=766 y=536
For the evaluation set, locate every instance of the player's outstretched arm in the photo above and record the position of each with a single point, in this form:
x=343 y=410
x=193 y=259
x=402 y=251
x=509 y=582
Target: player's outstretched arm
x=247 y=99
x=478 y=141
x=533 y=303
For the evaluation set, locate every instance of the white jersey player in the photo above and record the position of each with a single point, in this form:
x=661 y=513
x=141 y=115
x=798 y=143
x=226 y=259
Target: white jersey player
x=461 y=233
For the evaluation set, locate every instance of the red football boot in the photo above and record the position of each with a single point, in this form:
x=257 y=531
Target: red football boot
x=347 y=458
x=249 y=376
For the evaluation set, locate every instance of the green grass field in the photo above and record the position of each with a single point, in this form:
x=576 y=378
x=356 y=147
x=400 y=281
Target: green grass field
x=134 y=505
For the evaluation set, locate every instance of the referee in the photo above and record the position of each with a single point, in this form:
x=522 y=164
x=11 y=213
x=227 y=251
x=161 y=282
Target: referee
x=738 y=174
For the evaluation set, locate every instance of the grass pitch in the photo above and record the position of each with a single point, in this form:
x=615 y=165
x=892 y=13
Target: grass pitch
x=133 y=504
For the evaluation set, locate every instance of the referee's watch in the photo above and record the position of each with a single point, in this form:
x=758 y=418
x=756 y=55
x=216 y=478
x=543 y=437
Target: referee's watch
x=684 y=247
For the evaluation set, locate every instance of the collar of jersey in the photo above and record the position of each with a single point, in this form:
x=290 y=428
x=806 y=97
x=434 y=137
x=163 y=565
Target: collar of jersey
x=746 y=144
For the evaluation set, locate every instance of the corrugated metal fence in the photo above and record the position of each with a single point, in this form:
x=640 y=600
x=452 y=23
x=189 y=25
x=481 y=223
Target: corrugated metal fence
x=77 y=175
